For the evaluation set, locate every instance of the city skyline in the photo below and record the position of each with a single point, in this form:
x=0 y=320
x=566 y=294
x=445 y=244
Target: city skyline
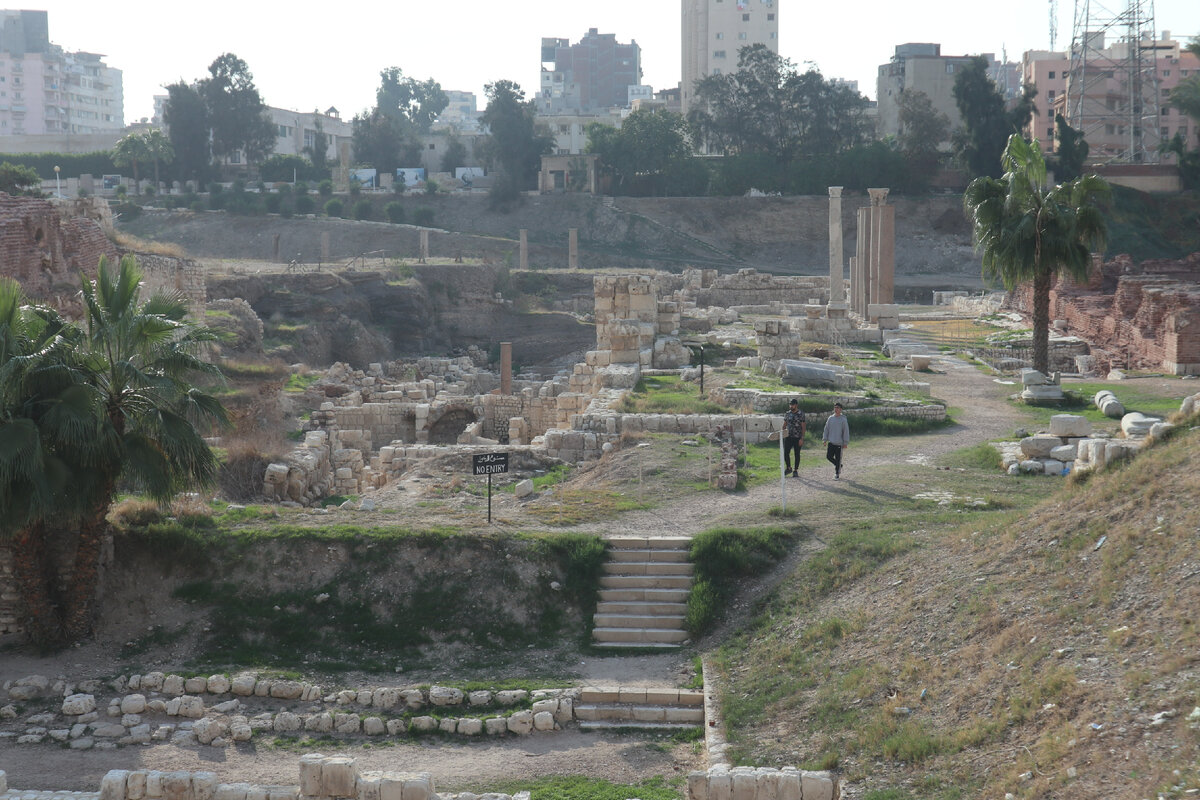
x=297 y=64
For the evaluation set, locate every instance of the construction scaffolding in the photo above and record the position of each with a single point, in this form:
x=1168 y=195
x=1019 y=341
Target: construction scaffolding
x=1112 y=93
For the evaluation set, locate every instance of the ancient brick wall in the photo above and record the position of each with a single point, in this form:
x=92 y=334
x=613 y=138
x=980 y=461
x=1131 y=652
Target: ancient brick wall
x=1133 y=315
x=45 y=252
x=174 y=274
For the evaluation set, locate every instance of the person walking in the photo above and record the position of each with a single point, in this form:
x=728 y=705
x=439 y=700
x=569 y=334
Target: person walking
x=793 y=437
x=837 y=437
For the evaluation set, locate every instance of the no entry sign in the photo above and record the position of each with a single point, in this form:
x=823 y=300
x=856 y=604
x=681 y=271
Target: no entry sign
x=490 y=463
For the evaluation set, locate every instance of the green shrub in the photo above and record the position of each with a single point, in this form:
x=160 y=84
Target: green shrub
x=301 y=187
x=334 y=208
x=305 y=204
x=325 y=188
x=395 y=212
x=355 y=187
x=423 y=216
x=362 y=209
x=431 y=187
x=273 y=202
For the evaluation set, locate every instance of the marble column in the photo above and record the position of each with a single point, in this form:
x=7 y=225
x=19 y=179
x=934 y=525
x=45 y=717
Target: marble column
x=424 y=246
x=878 y=198
x=573 y=248
x=837 y=292
x=524 y=248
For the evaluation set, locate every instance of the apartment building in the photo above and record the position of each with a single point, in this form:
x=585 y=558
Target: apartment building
x=296 y=131
x=919 y=67
x=51 y=99
x=714 y=31
x=591 y=75
x=1098 y=101
x=461 y=113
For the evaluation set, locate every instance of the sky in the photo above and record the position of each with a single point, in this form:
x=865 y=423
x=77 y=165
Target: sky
x=305 y=57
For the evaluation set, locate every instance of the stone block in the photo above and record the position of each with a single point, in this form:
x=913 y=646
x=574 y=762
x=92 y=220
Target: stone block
x=1135 y=424
x=543 y=721
x=78 y=704
x=339 y=777
x=818 y=786
x=195 y=685
x=445 y=696
x=521 y=722
x=113 y=784
x=495 y=726
x=1052 y=466
x=173 y=684
x=1070 y=425
x=218 y=684
x=1067 y=452
x=1039 y=445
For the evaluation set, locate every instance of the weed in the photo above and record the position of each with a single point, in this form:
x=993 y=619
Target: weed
x=721 y=558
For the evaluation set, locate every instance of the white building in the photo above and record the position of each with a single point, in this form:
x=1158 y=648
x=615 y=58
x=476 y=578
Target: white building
x=296 y=131
x=715 y=30
x=52 y=100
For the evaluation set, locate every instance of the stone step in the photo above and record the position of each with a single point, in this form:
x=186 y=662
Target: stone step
x=646 y=582
x=647 y=568
x=598 y=725
x=641 y=695
x=658 y=556
x=606 y=636
x=639 y=713
x=638 y=645
x=643 y=543
x=646 y=608
x=658 y=622
x=639 y=595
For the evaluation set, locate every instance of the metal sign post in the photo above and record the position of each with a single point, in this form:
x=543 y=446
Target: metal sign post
x=489 y=464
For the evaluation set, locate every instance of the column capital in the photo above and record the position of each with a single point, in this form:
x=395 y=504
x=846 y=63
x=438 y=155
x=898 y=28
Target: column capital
x=878 y=196
x=835 y=191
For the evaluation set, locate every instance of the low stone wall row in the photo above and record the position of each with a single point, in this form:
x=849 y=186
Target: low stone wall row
x=321 y=778
x=763 y=402
x=761 y=783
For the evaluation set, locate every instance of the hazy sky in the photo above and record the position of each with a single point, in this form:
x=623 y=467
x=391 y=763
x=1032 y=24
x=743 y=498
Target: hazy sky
x=305 y=56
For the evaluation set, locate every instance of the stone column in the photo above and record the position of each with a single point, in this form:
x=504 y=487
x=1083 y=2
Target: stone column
x=573 y=248
x=524 y=248
x=860 y=281
x=837 y=295
x=324 y=246
x=506 y=368
x=275 y=247
x=878 y=198
x=424 y=245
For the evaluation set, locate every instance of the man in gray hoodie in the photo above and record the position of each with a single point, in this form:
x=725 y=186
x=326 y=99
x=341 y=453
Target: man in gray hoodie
x=837 y=436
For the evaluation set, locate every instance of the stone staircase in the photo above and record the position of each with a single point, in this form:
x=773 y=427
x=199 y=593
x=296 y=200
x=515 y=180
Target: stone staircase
x=652 y=709
x=643 y=595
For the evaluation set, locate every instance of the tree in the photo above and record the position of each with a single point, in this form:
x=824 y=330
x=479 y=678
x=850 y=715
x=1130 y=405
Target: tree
x=455 y=154
x=186 y=118
x=515 y=143
x=129 y=150
x=377 y=140
x=140 y=360
x=48 y=428
x=160 y=150
x=318 y=150
x=640 y=155
x=922 y=130
x=17 y=179
x=987 y=123
x=237 y=115
x=414 y=102
x=767 y=107
x=1028 y=232
x=1072 y=149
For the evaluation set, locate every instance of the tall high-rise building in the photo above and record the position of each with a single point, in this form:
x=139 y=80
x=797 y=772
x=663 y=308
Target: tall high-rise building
x=592 y=75
x=47 y=90
x=715 y=30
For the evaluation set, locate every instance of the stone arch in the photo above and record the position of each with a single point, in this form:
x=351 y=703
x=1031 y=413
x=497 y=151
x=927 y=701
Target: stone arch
x=445 y=427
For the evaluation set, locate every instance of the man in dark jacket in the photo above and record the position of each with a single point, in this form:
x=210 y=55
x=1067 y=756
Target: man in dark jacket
x=793 y=437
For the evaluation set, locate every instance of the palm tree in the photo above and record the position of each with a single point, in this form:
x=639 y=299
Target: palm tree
x=129 y=151
x=141 y=357
x=48 y=434
x=1028 y=232
x=159 y=148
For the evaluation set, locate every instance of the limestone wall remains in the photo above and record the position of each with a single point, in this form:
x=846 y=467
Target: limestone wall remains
x=751 y=287
x=761 y=783
x=170 y=274
x=1133 y=315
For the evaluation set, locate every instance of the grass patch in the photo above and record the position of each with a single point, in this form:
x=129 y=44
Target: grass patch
x=1078 y=400
x=575 y=506
x=298 y=383
x=981 y=456
x=667 y=394
x=722 y=558
x=577 y=787
x=252 y=370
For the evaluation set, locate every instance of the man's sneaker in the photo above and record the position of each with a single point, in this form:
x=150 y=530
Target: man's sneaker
x=795 y=473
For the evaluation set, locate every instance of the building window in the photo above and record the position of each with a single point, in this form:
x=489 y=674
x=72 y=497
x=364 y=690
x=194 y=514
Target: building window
x=720 y=35
x=1166 y=111
x=770 y=17
x=742 y=35
x=1050 y=94
x=1050 y=113
x=1166 y=73
x=949 y=68
x=718 y=53
x=310 y=139
x=1049 y=133
x=774 y=34
x=717 y=71
x=1164 y=133
x=745 y=17
x=1051 y=75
